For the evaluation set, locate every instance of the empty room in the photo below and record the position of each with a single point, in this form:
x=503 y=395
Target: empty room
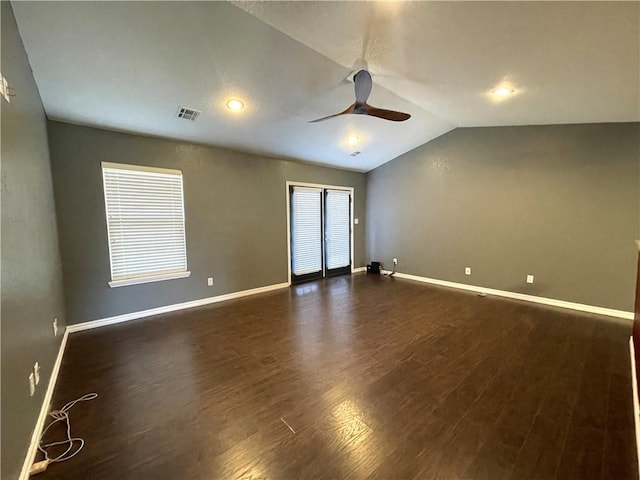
x=308 y=239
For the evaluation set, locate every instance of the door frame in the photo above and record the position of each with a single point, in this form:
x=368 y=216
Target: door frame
x=291 y=183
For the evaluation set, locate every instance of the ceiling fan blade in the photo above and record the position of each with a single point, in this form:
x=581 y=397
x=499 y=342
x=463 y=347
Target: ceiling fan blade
x=362 y=84
x=345 y=112
x=387 y=114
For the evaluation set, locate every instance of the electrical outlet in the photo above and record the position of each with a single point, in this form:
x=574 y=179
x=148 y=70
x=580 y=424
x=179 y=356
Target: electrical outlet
x=210 y=281
x=32 y=384
x=467 y=270
x=355 y=221
x=395 y=261
x=529 y=278
x=55 y=327
x=36 y=372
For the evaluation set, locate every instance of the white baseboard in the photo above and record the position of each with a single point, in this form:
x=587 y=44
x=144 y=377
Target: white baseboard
x=522 y=296
x=44 y=411
x=171 y=308
x=359 y=269
x=636 y=403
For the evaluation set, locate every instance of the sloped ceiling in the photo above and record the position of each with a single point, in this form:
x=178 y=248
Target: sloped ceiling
x=129 y=65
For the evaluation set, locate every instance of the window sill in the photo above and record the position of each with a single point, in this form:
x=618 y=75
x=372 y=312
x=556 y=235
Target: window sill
x=155 y=278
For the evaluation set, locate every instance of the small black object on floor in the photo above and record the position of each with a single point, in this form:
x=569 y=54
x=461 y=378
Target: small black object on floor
x=374 y=268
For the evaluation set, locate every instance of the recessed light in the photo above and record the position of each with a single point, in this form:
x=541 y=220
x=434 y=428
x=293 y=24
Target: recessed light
x=235 y=105
x=503 y=91
x=353 y=140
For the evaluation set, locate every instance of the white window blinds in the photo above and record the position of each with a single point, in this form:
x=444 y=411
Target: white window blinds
x=145 y=223
x=306 y=231
x=338 y=225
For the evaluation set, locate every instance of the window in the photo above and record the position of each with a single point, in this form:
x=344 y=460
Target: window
x=145 y=223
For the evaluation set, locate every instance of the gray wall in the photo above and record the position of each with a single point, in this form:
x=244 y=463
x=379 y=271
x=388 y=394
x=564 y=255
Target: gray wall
x=559 y=202
x=31 y=272
x=235 y=211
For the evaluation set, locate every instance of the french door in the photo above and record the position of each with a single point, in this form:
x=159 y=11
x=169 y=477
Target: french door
x=320 y=227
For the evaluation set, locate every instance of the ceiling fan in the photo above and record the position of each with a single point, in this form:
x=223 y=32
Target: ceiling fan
x=362 y=84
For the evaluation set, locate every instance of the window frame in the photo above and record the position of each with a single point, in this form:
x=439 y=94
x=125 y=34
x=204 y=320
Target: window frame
x=143 y=278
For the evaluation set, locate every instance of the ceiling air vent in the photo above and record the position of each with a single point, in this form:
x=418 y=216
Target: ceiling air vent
x=354 y=154
x=188 y=113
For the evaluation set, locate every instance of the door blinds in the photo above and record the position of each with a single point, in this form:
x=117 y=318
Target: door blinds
x=338 y=227
x=306 y=230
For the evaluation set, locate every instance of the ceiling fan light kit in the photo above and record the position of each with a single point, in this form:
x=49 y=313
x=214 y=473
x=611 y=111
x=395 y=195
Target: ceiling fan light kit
x=362 y=86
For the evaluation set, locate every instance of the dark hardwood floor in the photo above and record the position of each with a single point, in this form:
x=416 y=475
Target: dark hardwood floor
x=376 y=377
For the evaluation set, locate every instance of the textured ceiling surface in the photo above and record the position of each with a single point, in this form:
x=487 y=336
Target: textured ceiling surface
x=129 y=65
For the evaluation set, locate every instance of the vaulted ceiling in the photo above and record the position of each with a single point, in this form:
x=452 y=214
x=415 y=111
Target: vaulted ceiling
x=128 y=66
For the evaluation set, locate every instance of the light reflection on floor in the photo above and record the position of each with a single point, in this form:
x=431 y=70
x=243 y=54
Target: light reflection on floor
x=324 y=339
x=356 y=439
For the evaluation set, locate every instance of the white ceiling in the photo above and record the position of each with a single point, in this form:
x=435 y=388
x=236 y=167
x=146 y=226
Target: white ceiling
x=128 y=65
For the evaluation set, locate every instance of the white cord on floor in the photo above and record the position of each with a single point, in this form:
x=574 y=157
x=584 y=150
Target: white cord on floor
x=60 y=416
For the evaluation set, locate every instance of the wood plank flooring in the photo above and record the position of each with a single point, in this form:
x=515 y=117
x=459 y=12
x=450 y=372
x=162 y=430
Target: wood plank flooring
x=377 y=377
